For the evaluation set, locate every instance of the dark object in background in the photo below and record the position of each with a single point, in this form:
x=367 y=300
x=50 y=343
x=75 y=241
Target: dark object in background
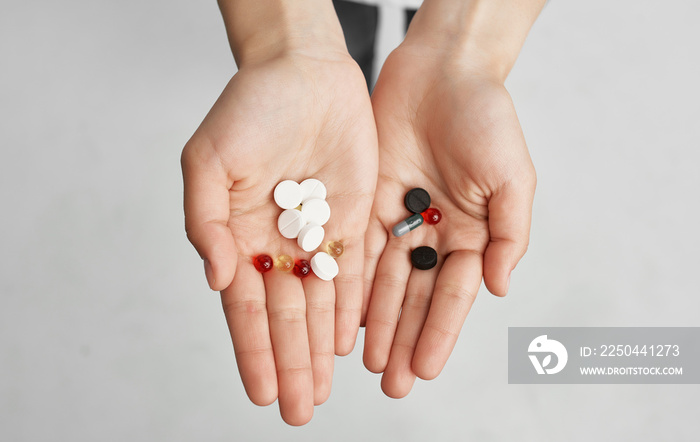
x=359 y=23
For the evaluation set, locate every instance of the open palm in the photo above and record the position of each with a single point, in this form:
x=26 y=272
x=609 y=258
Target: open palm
x=292 y=117
x=454 y=132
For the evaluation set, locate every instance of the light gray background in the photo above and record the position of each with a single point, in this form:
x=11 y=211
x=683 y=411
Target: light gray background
x=107 y=329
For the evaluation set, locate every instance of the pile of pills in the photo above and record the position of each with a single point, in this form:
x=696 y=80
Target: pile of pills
x=305 y=211
x=418 y=201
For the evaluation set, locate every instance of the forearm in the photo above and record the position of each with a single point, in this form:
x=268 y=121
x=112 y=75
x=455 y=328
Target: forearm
x=258 y=29
x=487 y=34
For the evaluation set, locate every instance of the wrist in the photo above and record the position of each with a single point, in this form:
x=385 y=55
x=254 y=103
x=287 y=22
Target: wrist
x=483 y=36
x=259 y=31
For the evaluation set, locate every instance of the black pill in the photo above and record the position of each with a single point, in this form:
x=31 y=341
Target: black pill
x=417 y=200
x=424 y=258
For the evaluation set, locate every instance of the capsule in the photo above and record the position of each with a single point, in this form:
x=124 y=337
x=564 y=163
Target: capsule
x=302 y=268
x=407 y=225
x=284 y=263
x=262 y=263
x=432 y=216
x=335 y=249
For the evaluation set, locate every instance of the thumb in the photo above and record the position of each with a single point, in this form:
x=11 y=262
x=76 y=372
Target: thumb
x=207 y=213
x=510 y=213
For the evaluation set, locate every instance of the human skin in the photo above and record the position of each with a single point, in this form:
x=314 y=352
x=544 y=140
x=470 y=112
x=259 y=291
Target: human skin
x=447 y=124
x=297 y=108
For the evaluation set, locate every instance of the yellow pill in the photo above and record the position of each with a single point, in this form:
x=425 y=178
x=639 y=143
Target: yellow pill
x=335 y=248
x=284 y=263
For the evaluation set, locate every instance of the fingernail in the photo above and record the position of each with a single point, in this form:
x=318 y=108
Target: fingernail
x=208 y=272
x=508 y=283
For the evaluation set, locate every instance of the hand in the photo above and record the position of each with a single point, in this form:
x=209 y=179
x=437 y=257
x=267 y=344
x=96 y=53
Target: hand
x=292 y=116
x=452 y=130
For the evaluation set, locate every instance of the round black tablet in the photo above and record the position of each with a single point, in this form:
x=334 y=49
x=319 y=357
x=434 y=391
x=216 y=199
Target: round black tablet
x=424 y=258
x=417 y=200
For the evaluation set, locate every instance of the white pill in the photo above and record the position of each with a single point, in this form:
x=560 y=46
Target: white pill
x=312 y=188
x=310 y=237
x=288 y=194
x=324 y=266
x=290 y=223
x=316 y=211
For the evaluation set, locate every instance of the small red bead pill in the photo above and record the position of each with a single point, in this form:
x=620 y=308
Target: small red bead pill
x=432 y=216
x=263 y=263
x=302 y=268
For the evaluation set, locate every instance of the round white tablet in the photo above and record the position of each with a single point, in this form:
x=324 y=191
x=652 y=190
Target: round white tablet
x=310 y=237
x=288 y=194
x=290 y=223
x=324 y=266
x=312 y=188
x=316 y=211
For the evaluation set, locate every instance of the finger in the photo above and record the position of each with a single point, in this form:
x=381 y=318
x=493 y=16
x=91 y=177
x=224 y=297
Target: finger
x=510 y=212
x=375 y=241
x=348 y=289
x=320 y=321
x=398 y=377
x=206 y=197
x=455 y=290
x=383 y=314
x=286 y=309
x=246 y=315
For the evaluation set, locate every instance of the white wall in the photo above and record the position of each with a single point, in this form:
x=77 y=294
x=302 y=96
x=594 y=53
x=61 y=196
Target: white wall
x=107 y=329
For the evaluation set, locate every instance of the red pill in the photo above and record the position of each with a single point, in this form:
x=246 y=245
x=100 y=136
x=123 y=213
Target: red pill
x=263 y=263
x=432 y=216
x=302 y=268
